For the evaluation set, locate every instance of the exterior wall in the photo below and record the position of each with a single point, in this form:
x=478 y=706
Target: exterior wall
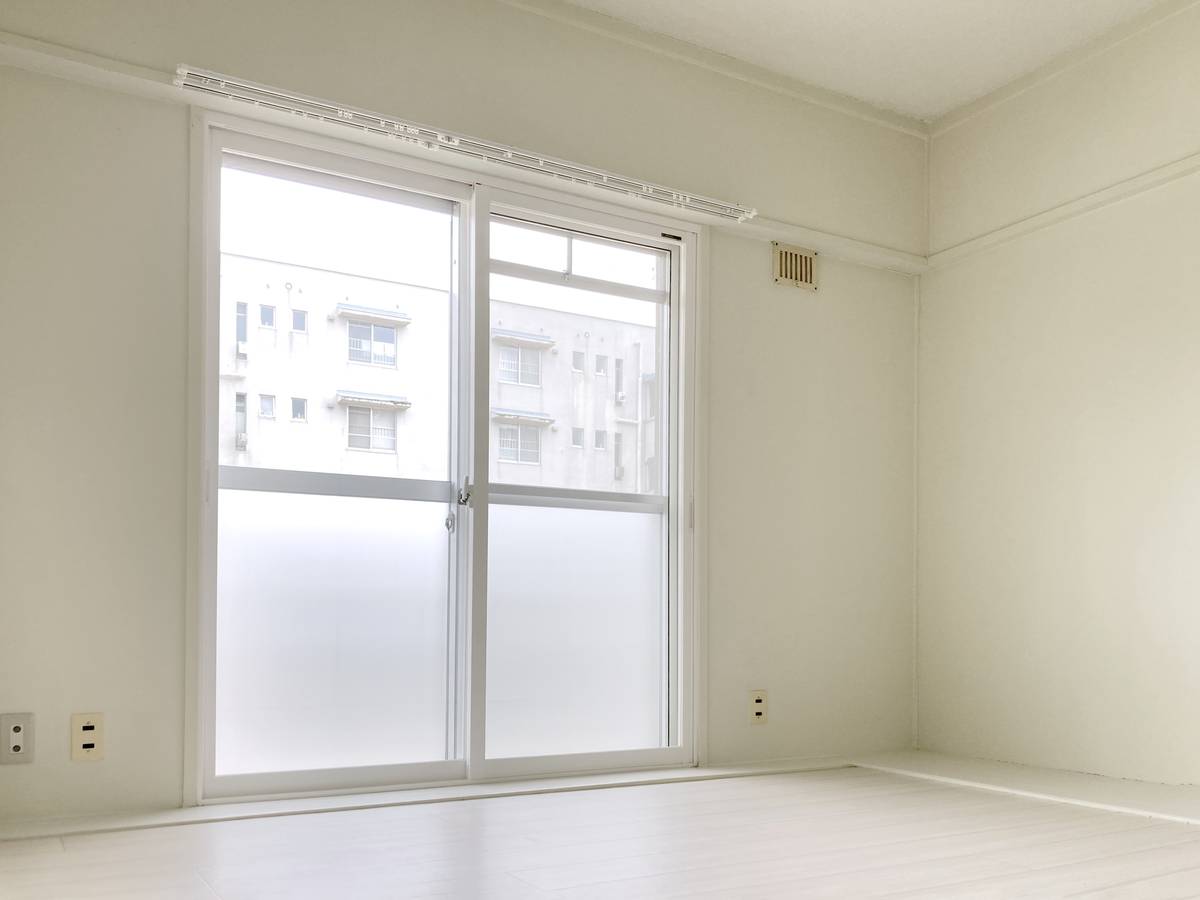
x=318 y=366
x=582 y=399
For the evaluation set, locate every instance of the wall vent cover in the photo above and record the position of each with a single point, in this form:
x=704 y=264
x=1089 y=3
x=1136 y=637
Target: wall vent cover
x=794 y=265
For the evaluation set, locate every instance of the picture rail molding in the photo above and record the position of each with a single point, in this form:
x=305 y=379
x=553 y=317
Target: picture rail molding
x=436 y=139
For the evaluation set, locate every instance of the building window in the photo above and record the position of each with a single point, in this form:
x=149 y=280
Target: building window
x=240 y=334
x=521 y=365
x=618 y=447
x=375 y=344
x=239 y=425
x=266 y=316
x=578 y=360
x=266 y=406
x=520 y=443
x=601 y=364
x=371 y=429
x=299 y=409
x=299 y=320
x=576 y=437
x=649 y=398
x=601 y=441
x=619 y=379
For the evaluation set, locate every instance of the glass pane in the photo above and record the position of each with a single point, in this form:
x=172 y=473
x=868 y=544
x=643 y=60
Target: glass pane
x=331 y=632
x=531 y=366
x=368 y=281
x=509 y=364
x=576 y=637
x=561 y=382
x=624 y=263
x=508 y=442
x=528 y=246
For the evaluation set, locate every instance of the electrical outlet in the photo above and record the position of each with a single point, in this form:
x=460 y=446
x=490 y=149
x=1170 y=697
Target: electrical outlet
x=758 y=707
x=16 y=738
x=87 y=736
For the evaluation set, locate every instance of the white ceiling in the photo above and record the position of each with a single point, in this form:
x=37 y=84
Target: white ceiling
x=922 y=58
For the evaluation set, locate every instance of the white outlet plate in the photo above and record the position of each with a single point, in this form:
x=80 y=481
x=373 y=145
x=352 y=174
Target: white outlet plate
x=87 y=737
x=758 y=707
x=16 y=738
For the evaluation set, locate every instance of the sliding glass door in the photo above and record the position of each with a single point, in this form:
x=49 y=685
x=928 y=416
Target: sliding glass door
x=580 y=613
x=383 y=608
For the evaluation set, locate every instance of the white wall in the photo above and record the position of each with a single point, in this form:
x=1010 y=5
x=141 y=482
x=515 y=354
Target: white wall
x=488 y=69
x=1110 y=116
x=94 y=229
x=93 y=356
x=810 y=545
x=1059 y=430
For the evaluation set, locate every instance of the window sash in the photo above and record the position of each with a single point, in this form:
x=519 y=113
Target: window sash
x=371 y=343
x=531 y=444
x=531 y=366
x=510 y=365
x=245 y=478
x=520 y=365
x=508 y=443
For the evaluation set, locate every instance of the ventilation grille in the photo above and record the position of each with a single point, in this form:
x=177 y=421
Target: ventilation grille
x=794 y=265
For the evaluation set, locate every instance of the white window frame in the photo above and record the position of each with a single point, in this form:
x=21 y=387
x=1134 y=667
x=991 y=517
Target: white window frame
x=304 y=407
x=581 y=356
x=523 y=353
x=262 y=309
x=372 y=415
x=601 y=364
x=600 y=439
x=479 y=193
x=521 y=431
x=262 y=406
x=581 y=433
x=373 y=361
x=300 y=312
x=683 y=733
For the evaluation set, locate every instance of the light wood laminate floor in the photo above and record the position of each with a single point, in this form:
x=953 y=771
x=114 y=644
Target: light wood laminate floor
x=840 y=833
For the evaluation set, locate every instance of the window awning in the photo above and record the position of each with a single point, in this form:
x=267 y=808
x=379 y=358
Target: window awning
x=374 y=313
x=521 y=338
x=380 y=401
x=521 y=416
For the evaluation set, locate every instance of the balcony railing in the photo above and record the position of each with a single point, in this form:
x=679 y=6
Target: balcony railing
x=383 y=438
x=364 y=352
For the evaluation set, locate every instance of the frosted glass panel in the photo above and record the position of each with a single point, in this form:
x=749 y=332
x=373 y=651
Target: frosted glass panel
x=576 y=612
x=332 y=629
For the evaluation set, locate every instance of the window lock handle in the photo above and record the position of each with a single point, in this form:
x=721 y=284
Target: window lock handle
x=464 y=493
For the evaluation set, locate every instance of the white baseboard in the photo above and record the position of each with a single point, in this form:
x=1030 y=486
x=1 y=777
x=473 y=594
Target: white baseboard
x=1172 y=802
x=61 y=826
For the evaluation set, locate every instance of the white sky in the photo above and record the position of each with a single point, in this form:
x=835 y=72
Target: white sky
x=304 y=224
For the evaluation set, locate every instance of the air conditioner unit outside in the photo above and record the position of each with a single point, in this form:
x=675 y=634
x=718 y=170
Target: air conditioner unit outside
x=241 y=440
